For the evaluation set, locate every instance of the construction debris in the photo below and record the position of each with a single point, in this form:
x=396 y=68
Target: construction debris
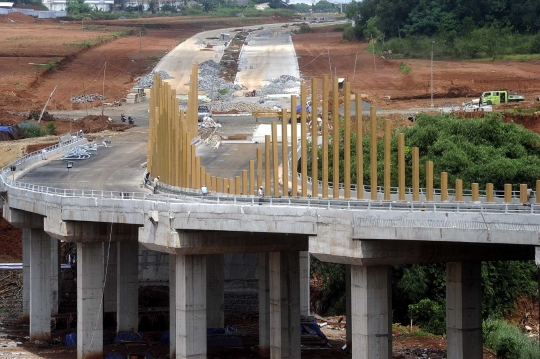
x=214 y=86
x=87 y=98
x=147 y=81
x=82 y=152
x=208 y=122
x=280 y=85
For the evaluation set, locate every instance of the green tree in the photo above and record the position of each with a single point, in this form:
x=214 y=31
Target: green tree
x=371 y=30
x=76 y=7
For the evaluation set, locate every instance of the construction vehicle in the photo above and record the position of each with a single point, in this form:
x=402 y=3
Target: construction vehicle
x=501 y=96
x=202 y=112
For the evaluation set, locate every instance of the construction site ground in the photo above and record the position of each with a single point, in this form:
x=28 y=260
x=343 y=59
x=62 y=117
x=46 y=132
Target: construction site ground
x=94 y=58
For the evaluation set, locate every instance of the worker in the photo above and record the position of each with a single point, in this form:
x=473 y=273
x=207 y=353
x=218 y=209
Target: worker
x=319 y=123
x=253 y=93
x=156 y=184
x=261 y=194
x=145 y=178
x=204 y=190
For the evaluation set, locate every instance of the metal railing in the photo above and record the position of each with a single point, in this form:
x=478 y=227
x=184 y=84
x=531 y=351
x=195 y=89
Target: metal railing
x=172 y=194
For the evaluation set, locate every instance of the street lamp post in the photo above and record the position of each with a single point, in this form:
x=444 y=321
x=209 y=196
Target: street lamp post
x=13 y=168
x=69 y=166
x=432 y=44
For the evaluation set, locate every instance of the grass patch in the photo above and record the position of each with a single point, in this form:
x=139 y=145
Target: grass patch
x=222 y=91
x=507 y=341
x=403 y=67
x=51 y=64
x=31 y=130
x=515 y=57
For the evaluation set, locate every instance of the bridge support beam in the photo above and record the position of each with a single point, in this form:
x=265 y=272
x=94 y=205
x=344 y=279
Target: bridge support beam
x=464 y=310
x=172 y=306
x=89 y=288
x=215 y=287
x=284 y=305
x=190 y=306
x=40 y=285
x=264 y=304
x=371 y=308
x=127 y=318
x=304 y=283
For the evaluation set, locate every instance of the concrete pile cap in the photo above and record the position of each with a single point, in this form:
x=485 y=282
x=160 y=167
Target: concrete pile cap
x=147 y=81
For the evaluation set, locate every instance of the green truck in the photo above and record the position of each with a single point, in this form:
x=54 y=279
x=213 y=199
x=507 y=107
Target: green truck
x=501 y=96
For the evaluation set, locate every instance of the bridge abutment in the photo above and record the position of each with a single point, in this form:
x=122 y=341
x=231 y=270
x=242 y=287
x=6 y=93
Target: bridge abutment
x=464 y=310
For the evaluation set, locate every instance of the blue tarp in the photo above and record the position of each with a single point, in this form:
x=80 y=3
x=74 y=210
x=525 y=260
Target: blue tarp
x=128 y=337
x=312 y=328
x=114 y=355
x=71 y=340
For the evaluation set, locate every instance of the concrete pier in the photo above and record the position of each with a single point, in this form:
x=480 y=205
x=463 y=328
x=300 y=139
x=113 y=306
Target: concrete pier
x=304 y=283
x=190 y=306
x=40 y=285
x=127 y=318
x=215 y=300
x=89 y=297
x=55 y=276
x=264 y=304
x=464 y=310
x=110 y=294
x=371 y=322
x=284 y=305
x=26 y=233
x=172 y=306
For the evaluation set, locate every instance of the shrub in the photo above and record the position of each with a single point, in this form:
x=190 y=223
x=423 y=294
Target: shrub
x=430 y=315
x=50 y=128
x=304 y=28
x=507 y=341
x=32 y=130
x=348 y=34
x=403 y=67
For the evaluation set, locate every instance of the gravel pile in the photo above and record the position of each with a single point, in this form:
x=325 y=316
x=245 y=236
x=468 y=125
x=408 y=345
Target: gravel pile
x=87 y=98
x=147 y=81
x=214 y=86
x=226 y=106
x=279 y=85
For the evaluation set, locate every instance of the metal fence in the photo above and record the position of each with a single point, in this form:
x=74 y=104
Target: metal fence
x=32 y=12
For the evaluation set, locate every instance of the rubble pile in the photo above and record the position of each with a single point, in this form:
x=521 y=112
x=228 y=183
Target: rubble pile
x=208 y=122
x=147 y=81
x=280 y=85
x=92 y=97
x=246 y=107
x=214 y=86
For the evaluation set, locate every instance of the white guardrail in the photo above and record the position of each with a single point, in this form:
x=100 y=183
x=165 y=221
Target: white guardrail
x=171 y=194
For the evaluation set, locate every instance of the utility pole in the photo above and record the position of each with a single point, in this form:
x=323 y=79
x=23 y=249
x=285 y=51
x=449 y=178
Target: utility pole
x=140 y=39
x=103 y=93
x=432 y=44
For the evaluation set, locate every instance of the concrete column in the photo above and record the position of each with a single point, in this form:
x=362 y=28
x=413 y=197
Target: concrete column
x=190 y=306
x=264 y=305
x=215 y=281
x=172 y=306
x=89 y=297
x=55 y=276
x=127 y=308
x=371 y=307
x=111 y=280
x=284 y=305
x=348 y=313
x=304 y=283
x=40 y=285
x=26 y=233
x=463 y=310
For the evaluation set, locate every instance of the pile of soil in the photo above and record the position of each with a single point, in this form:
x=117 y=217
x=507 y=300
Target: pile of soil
x=18 y=17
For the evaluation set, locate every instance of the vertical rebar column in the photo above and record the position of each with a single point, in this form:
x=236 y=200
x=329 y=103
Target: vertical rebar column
x=459 y=190
x=202 y=176
x=151 y=123
x=507 y=193
x=416 y=173
x=294 y=148
x=232 y=187
x=237 y=185
x=474 y=192
x=284 y=153
x=373 y=151
x=245 y=183
x=219 y=185
x=275 y=159
x=303 y=138
x=429 y=181
x=314 y=140
x=213 y=183
x=489 y=193
x=347 y=143
x=251 y=190
x=194 y=167
x=267 y=146
x=188 y=160
x=325 y=164
x=401 y=166
x=335 y=137
x=259 y=168
x=387 y=163
x=197 y=170
x=208 y=180
x=177 y=140
x=444 y=186
x=359 y=148
x=226 y=187
x=522 y=193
